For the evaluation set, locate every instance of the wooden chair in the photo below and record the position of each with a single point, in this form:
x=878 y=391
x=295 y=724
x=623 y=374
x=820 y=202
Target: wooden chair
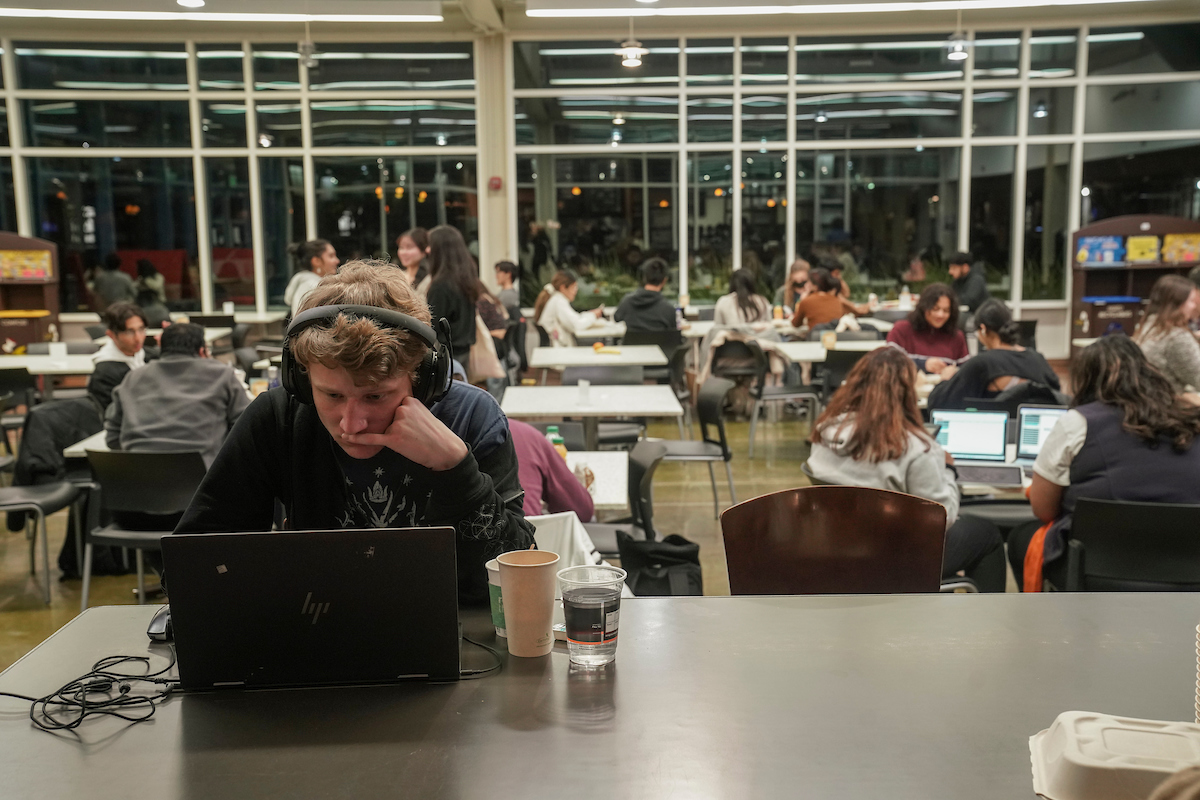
x=834 y=540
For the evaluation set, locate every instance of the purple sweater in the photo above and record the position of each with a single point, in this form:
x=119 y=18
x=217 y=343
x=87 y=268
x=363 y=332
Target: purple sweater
x=544 y=475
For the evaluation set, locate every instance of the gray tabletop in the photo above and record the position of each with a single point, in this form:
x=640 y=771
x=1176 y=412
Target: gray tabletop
x=847 y=697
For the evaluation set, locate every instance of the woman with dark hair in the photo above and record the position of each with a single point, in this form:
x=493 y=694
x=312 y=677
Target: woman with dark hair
x=1128 y=436
x=453 y=287
x=743 y=305
x=930 y=335
x=552 y=310
x=871 y=435
x=412 y=247
x=150 y=280
x=824 y=304
x=314 y=260
x=1004 y=364
x=1164 y=334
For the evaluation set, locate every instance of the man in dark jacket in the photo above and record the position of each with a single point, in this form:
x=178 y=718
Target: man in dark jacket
x=646 y=309
x=363 y=451
x=122 y=352
x=969 y=283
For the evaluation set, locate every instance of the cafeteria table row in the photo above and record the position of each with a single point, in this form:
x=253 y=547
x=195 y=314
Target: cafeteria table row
x=908 y=697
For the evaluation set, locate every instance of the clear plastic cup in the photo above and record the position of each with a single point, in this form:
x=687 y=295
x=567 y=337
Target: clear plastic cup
x=592 y=609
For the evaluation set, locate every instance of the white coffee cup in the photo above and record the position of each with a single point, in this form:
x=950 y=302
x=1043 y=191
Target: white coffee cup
x=58 y=349
x=227 y=307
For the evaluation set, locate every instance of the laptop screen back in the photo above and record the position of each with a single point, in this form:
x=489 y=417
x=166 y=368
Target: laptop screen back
x=973 y=435
x=1035 y=423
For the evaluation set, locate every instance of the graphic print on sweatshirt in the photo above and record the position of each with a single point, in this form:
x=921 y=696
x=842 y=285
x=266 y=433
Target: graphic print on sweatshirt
x=384 y=491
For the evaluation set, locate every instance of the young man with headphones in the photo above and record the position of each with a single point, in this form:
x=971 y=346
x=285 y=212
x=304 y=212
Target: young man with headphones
x=368 y=430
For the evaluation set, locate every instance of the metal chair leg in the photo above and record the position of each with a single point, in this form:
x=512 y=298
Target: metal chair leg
x=679 y=419
x=712 y=476
x=141 y=575
x=754 y=424
x=732 y=493
x=31 y=535
x=45 y=555
x=87 y=577
x=76 y=516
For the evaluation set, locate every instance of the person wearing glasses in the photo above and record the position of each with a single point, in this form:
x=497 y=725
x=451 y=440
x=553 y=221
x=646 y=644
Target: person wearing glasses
x=795 y=288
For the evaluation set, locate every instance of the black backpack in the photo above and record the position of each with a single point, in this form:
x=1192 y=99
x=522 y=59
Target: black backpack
x=661 y=568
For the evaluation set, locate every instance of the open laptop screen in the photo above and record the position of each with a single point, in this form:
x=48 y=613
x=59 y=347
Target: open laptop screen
x=973 y=435
x=1034 y=424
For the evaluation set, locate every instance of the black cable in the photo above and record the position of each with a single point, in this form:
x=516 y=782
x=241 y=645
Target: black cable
x=475 y=674
x=101 y=691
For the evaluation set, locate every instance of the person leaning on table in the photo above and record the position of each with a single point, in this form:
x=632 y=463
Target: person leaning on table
x=369 y=432
x=554 y=314
x=1128 y=436
x=930 y=334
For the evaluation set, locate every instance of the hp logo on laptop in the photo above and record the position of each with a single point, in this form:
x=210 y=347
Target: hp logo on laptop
x=316 y=609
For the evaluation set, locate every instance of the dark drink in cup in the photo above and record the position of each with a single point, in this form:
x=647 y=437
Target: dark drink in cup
x=592 y=610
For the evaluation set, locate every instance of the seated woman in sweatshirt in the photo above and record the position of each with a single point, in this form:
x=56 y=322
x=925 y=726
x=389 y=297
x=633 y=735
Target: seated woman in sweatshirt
x=871 y=435
x=823 y=304
x=1164 y=335
x=1004 y=364
x=1128 y=436
x=930 y=335
x=554 y=314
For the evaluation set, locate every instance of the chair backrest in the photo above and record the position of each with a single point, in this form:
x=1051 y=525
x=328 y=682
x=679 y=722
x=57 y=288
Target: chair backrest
x=677 y=375
x=238 y=338
x=644 y=459
x=837 y=366
x=668 y=341
x=834 y=540
x=867 y=334
x=543 y=336
x=571 y=432
x=1027 y=331
x=152 y=483
x=706 y=313
x=73 y=348
x=710 y=410
x=95 y=331
x=890 y=314
x=1124 y=546
x=736 y=359
x=515 y=336
x=213 y=320
x=604 y=376
x=22 y=385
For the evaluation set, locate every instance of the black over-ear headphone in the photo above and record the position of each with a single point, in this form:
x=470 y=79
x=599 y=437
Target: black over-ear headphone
x=433 y=374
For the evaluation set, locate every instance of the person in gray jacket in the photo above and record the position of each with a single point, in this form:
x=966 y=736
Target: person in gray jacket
x=182 y=401
x=871 y=435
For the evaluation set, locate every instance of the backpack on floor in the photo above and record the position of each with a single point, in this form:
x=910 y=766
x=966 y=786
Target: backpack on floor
x=662 y=568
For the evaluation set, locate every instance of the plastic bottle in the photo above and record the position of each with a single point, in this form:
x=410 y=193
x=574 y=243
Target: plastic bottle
x=778 y=312
x=272 y=376
x=556 y=439
x=678 y=318
x=905 y=298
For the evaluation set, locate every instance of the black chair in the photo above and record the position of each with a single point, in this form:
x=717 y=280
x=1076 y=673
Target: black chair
x=710 y=409
x=515 y=337
x=571 y=432
x=213 y=320
x=763 y=394
x=677 y=370
x=40 y=500
x=18 y=388
x=160 y=485
x=644 y=459
x=1120 y=546
x=667 y=341
x=1012 y=398
x=95 y=331
x=73 y=348
x=733 y=360
x=1027 y=333
x=871 y=335
x=706 y=313
x=610 y=433
x=890 y=314
x=836 y=367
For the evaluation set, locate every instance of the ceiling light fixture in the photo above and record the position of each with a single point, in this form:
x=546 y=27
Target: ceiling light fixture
x=415 y=11
x=191 y=3
x=958 y=42
x=631 y=51
x=618 y=119
x=713 y=8
x=821 y=116
x=1040 y=111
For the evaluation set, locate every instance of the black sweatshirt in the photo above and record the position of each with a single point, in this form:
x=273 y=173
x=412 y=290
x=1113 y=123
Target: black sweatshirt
x=279 y=449
x=977 y=372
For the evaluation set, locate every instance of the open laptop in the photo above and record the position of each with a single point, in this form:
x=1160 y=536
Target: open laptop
x=252 y=610
x=977 y=440
x=1034 y=423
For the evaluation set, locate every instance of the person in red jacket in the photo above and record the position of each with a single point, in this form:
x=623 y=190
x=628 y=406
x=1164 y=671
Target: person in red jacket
x=930 y=335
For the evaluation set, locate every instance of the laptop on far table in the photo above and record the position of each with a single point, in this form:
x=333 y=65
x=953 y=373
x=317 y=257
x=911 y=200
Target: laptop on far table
x=977 y=440
x=1034 y=423
x=258 y=610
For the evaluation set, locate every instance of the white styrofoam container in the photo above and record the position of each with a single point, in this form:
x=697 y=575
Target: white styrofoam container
x=1088 y=756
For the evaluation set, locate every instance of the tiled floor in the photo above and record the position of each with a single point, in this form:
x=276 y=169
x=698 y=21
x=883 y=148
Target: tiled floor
x=682 y=504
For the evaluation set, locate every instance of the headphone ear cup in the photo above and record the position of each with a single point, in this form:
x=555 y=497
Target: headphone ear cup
x=292 y=376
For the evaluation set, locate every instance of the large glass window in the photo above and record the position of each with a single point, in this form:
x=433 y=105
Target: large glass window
x=1052 y=54
x=139 y=208
x=710 y=62
x=903 y=113
x=276 y=68
x=710 y=225
x=1141 y=178
x=600 y=215
x=764 y=218
x=219 y=67
x=1144 y=49
x=597 y=119
x=3 y=124
x=764 y=60
x=223 y=123
x=279 y=124
x=380 y=67
x=1047 y=179
x=1143 y=107
x=364 y=203
x=710 y=119
x=909 y=57
x=283 y=220
x=229 y=231
x=889 y=216
x=99 y=123
x=992 y=170
x=997 y=54
x=995 y=112
x=8 y=201
x=367 y=123
x=547 y=65
x=101 y=66
x=764 y=118
x=1051 y=110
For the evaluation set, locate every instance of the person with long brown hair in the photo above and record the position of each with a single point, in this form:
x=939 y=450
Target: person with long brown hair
x=795 y=289
x=1128 y=436
x=412 y=247
x=554 y=314
x=930 y=334
x=871 y=435
x=1164 y=334
x=743 y=305
x=454 y=287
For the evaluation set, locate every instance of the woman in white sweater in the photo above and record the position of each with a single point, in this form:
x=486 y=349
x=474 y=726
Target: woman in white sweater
x=553 y=310
x=743 y=305
x=871 y=435
x=315 y=260
x=1164 y=335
